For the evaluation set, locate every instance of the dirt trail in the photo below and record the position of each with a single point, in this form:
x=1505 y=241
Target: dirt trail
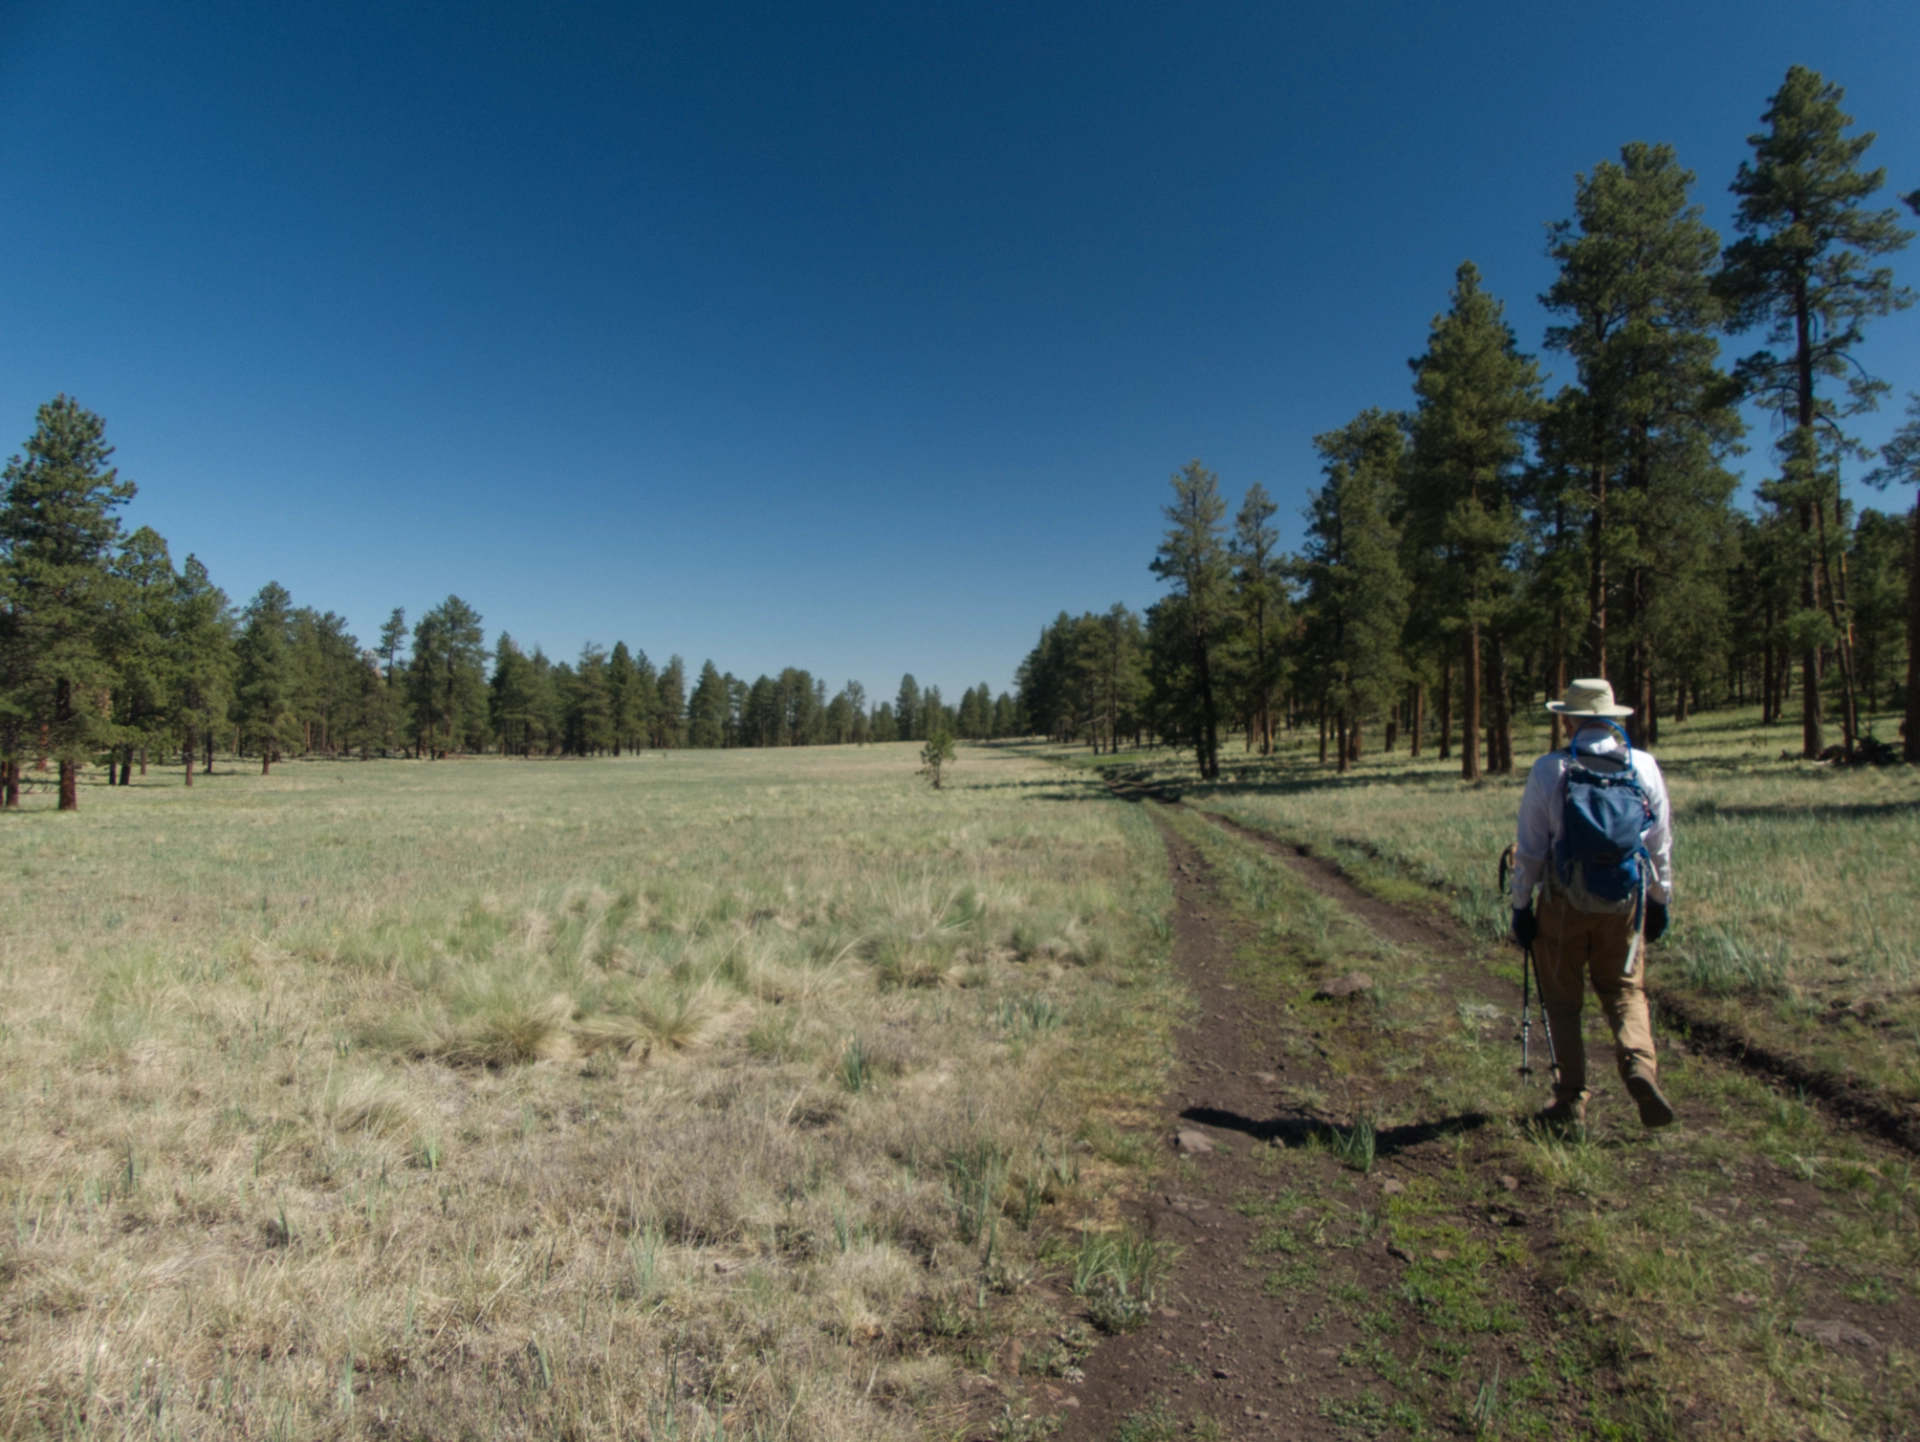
x=1846 y=1103
x=1304 y=1289
x=1227 y=1344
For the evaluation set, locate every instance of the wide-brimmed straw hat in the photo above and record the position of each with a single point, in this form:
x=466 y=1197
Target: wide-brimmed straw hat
x=1589 y=696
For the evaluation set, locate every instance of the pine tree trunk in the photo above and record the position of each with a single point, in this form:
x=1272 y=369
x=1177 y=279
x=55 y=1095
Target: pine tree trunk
x=1344 y=764
x=1559 y=693
x=1835 y=592
x=1500 y=724
x=1910 y=748
x=1647 y=701
x=1353 y=740
x=1446 y=712
x=1470 y=703
x=1210 y=768
x=63 y=721
x=1812 y=737
x=10 y=786
x=1419 y=716
x=186 y=754
x=1596 y=579
x=1769 y=703
x=1323 y=733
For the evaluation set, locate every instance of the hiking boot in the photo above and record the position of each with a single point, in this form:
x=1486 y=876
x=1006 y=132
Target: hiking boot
x=1655 y=1109
x=1562 y=1116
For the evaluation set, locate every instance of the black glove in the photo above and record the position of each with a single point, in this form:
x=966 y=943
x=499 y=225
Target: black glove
x=1656 y=921
x=1526 y=926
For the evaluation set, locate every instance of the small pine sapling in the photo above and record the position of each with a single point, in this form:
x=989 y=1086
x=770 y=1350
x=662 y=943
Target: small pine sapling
x=935 y=755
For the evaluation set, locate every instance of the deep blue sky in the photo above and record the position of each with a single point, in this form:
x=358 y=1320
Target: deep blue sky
x=855 y=337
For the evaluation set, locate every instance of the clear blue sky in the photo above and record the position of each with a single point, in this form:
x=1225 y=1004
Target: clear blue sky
x=859 y=337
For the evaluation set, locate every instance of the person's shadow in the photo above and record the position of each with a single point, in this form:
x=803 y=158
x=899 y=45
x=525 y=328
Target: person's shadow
x=1298 y=1131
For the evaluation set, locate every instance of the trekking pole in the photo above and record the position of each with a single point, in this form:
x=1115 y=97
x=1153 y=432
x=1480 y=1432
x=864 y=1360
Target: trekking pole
x=1546 y=1029
x=1526 y=1011
x=1508 y=860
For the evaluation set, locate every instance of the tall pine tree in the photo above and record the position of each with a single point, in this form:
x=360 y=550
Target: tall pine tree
x=1652 y=413
x=57 y=538
x=1196 y=620
x=1355 y=593
x=1477 y=397
x=1802 y=270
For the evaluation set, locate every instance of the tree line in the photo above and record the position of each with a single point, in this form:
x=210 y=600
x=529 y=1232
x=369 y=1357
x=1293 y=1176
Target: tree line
x=1472 y=551
x=110 y=655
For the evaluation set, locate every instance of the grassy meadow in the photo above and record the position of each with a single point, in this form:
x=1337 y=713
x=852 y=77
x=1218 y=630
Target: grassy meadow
x=751 y=1094
x=1797 y=885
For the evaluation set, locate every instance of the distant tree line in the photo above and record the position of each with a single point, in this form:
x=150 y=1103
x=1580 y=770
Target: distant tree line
x=1469 y=553
x=110 y=655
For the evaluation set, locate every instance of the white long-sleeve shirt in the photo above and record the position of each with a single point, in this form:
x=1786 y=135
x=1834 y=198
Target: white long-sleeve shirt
x=1544 y=804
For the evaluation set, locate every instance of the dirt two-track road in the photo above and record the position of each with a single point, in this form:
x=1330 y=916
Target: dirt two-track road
x=1478 y=1277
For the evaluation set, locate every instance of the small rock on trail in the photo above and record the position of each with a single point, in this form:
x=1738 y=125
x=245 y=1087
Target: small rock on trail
x=1834 y=1332
x=1353 y=983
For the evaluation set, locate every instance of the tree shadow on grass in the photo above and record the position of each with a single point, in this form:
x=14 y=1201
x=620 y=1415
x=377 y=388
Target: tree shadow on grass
x=1297 y=1131
x=1788 y=811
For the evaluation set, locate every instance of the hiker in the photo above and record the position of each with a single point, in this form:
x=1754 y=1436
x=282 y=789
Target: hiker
x=1595 y=838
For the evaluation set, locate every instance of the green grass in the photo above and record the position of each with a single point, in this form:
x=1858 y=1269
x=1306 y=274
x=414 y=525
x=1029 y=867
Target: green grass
x=676 y=1094
x=1796 y=915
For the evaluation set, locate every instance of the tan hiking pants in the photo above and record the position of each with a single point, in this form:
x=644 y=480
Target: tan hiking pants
x=1573 y=947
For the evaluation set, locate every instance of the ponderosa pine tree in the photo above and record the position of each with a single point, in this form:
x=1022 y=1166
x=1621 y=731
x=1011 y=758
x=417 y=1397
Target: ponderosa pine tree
x=511 y=699
x=707 y=709
x=1111 y=660
x=1652 y=410
x=1477 y=396
x=839 y=720
x=1196 y=619
x=623 y=698
x=200 y=658
x=446 y=678
x=1557 y=574
x=133 y=641
x=1900 y=464
x=589 y=707
x=906 y=710
x=57 y=537
x=263 y=695
x=1878 y=553
x=646 y=700
x=670 y=713
x=856 y=695
x=1355 y=600
x=328 y=682
x=1260 y=597
x=1802 y=269
x=393 y=639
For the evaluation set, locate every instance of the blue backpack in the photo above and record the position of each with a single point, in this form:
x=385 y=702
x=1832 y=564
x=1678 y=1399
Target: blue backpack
x=1600 y=858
